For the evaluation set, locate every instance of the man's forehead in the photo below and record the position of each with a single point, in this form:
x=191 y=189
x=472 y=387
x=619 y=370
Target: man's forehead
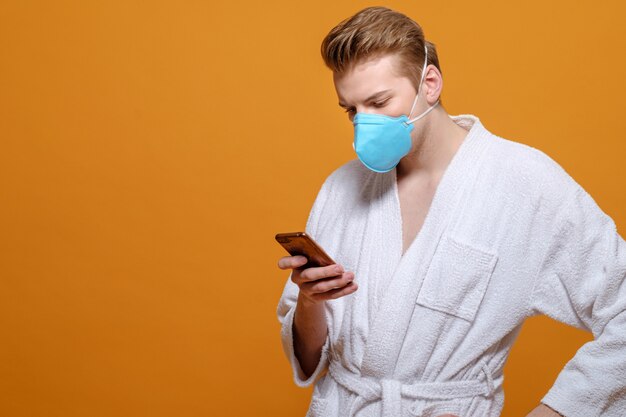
x=366 y=78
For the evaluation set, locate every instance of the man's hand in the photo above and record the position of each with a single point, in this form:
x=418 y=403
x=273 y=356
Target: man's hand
x=543 y=410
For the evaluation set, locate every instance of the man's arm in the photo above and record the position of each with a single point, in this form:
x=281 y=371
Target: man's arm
x=582 y=282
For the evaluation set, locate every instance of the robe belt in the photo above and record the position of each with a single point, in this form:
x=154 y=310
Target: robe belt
x=391 y=391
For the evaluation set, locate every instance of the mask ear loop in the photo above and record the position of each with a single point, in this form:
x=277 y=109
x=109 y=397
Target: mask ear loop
x=431 y=108
x=419 y=88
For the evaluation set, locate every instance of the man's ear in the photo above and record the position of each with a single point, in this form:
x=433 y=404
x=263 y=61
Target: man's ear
x=433 y=81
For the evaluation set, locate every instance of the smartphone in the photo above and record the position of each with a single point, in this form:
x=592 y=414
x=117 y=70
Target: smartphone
x=299 y=243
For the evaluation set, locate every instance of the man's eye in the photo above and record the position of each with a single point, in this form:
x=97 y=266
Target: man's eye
x=349 y=110
x=381 y=103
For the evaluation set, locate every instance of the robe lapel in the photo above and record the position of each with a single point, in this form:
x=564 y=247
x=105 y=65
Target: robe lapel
x=391 y=320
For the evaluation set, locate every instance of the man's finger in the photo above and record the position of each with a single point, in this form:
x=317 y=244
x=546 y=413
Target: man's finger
x=290 y=262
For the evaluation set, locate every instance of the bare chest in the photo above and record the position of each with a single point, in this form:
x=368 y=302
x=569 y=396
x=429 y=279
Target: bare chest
x=415 y=201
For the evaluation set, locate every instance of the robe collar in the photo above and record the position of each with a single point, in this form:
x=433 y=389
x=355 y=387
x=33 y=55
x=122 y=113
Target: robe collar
x=392 y=318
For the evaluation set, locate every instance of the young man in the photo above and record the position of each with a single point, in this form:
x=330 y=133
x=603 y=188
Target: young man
x=448 y=238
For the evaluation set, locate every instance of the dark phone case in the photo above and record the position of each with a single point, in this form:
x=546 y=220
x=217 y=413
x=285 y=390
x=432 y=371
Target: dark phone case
x=299 y=243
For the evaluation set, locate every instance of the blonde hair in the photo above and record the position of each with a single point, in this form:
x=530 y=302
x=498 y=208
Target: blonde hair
x=377 y=31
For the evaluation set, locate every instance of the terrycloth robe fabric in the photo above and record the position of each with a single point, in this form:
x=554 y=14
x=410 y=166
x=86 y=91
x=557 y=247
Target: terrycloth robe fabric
x=509 y=234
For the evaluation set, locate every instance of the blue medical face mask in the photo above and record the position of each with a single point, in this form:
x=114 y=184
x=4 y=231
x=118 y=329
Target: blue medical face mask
x=381 y=141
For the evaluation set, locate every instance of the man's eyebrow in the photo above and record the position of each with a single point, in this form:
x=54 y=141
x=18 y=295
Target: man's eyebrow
x=372 y=97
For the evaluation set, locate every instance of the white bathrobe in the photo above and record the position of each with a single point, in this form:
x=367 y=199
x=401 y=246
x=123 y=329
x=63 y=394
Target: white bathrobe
x=509 y=235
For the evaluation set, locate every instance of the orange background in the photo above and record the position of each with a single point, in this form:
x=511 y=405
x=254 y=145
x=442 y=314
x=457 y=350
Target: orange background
x=151 y=150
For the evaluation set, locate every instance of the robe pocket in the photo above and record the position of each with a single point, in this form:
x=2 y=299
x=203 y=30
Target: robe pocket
x=457 y=278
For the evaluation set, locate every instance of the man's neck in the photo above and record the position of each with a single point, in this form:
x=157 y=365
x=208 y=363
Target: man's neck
x=432 y=153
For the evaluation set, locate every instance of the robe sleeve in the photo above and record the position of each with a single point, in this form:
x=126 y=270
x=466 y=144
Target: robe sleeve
x=287 y=303
x=582 y=282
